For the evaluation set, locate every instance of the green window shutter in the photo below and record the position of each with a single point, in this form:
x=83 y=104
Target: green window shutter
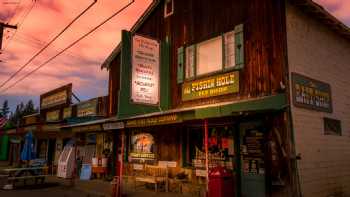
x=239 y=46
x=165 y=75
x=180 y=64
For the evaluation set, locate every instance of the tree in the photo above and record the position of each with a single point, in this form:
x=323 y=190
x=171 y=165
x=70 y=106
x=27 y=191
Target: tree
x=29 y=108
x=5 y=109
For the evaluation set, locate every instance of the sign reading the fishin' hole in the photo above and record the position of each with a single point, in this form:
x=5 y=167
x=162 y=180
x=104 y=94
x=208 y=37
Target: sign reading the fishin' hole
x=145 y=70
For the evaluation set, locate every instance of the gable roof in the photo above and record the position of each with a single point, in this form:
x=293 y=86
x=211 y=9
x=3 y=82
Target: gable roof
x=133 y=29
x=307 y=6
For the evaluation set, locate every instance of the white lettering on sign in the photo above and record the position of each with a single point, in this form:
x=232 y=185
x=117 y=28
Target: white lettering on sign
x=145 y=70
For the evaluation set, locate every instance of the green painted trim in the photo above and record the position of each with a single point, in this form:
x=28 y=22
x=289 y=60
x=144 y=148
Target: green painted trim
x=4 y=142
x=125 y=107
x=276 y=102
x=239 y=46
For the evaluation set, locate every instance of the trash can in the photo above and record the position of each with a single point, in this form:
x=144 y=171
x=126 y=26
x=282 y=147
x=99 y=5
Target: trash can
x=221 y=183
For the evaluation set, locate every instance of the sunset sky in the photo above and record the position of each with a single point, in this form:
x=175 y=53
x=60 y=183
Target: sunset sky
x=81 y=64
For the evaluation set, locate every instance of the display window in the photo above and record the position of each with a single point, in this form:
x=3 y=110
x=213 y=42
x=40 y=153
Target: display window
x=221 y=149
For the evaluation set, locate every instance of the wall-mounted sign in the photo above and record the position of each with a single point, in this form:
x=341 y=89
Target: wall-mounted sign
x=151 y=121
x=31 y=119
x=145 y=70
x=311 y=94
x=59 y=96
x=87 y=128
x=142 y=146
x=227 y=83
x=53 y=115
x=51 y=128
x=87 y=108
x=113 y=125
x=30 y=128
x=67 y=112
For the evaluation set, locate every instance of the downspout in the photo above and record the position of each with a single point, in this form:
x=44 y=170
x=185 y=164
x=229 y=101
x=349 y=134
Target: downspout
x=292 y=157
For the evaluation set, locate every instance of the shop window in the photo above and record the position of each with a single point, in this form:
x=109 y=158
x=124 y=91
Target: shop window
x=209 y=56
x=332 y=126
x=168 y=8
x=216 y=54
x=220 y=146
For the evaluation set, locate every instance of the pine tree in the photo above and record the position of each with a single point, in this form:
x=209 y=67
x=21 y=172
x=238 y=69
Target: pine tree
x=5 y=109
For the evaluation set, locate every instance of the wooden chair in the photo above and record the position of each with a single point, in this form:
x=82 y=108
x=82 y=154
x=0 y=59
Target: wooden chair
x=153 y=175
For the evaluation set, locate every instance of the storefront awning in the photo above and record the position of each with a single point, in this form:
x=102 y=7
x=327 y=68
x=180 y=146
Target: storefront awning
x=262 y=104
x=270 y=103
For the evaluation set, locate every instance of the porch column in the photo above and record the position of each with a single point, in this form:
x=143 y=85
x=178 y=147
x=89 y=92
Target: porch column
x=121 y=163
x=206 y=153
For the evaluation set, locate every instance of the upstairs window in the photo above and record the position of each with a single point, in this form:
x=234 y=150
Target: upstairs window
x=209 y=56
x=168 y=8
x=221 y=53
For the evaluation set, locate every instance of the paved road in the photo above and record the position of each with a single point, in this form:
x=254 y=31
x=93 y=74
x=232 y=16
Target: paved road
x=46 y=190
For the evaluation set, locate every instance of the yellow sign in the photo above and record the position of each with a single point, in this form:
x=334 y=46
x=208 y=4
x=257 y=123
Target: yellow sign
x=159 y=120
x=227 y=83
x=88 y=128
x=143 y=155
x=67 y=112
x=53 y=115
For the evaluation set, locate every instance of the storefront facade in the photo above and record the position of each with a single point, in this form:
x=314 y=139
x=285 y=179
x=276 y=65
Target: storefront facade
x=318 y=64
x=233 y=90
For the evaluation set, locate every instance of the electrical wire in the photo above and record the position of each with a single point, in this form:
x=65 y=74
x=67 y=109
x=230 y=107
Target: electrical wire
x=14 y=12
x=21 y=21
x=48 y=44
x=68 y=47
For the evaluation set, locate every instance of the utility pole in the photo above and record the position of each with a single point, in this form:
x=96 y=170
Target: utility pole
x=2 y=27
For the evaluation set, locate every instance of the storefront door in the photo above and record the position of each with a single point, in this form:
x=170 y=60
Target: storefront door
x=252 y=160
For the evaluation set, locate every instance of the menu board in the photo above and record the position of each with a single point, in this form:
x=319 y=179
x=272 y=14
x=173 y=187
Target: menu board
x=253 y=152
x=145 y=70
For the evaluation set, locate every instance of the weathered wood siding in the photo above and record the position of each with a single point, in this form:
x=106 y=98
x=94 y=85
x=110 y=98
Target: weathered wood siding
x=196 y=20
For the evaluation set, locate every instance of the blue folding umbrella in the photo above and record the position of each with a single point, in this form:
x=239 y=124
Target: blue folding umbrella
x=28 y=148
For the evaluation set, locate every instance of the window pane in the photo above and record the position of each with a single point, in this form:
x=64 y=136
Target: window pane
x=229 y=49
x=209 y=56
x=190 y=52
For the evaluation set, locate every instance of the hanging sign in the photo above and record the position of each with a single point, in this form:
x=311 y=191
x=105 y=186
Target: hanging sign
x=227 y=83
x=145 y=70
x=311 y=94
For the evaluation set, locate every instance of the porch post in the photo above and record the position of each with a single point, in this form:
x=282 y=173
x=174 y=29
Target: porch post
x=120 y=189
x=206 y=153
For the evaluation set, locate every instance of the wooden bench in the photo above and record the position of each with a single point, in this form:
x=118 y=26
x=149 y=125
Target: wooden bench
x=153 y=175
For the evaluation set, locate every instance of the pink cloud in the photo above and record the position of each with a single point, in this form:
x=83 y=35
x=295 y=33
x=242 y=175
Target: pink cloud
x=339 y=8
x=81 y=64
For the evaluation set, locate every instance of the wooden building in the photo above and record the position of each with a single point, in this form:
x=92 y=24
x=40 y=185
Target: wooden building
x=222 y=96
x=200 y=84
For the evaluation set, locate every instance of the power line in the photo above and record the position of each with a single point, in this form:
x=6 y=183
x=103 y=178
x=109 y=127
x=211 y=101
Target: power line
x=21 y=21
x=14 y=12
x=47 y=45
x=68 y=47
